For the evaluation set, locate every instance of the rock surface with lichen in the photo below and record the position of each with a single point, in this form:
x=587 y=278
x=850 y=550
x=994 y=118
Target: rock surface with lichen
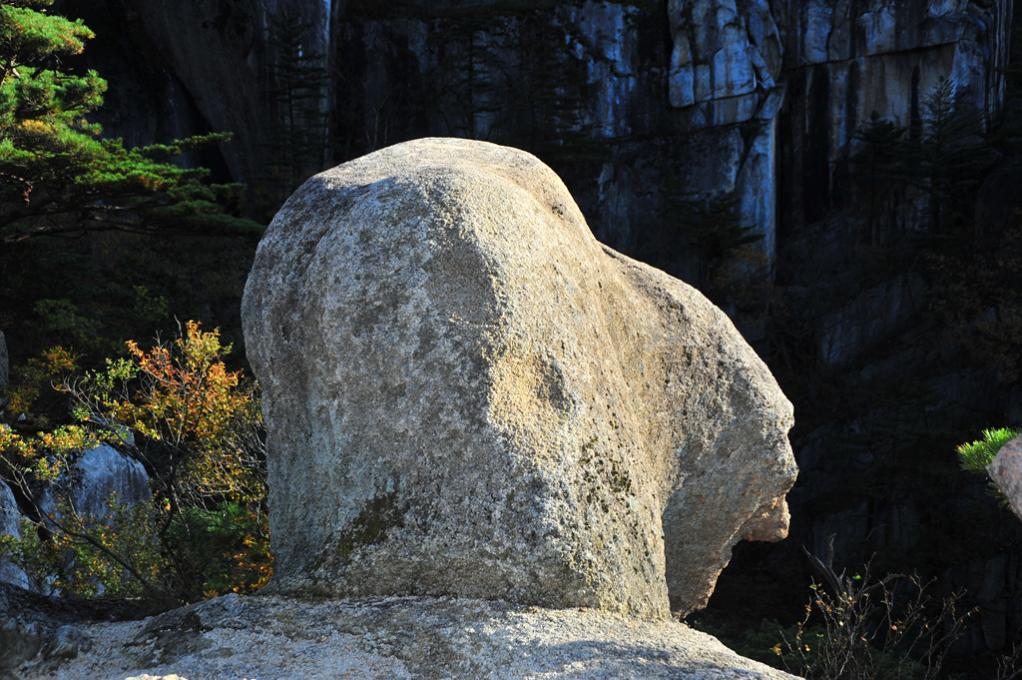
x=467 y=395
x=277 y=638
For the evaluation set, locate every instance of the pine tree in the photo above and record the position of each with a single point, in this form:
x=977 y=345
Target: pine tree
x=879 y=170
x=950 y=159
x=58 y=175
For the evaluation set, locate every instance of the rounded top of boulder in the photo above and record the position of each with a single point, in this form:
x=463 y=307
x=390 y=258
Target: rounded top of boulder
x=466 y=394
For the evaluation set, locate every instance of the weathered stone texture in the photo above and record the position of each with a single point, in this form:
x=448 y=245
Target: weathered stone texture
x=100 y=475
x=10 y=525
x=1006 y=471
x=402 y=638
x=104 y=473
x=467 y=395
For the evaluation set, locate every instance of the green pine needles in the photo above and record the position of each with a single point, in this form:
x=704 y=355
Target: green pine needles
x=58 y=176
x=976 y=456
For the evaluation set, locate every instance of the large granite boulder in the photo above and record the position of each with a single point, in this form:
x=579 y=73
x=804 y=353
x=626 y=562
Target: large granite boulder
x=1006 y=472
x=467 y=395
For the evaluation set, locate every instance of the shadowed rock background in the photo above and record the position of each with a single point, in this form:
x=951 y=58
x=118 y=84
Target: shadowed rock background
x=642 y=108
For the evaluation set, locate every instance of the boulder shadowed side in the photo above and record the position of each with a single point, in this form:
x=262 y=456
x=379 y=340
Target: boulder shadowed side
x=466 y=394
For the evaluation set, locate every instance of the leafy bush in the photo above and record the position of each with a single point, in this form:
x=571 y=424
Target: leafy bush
x=976 y=456
x=196 y=427
x=34 y=379
x=228 y=545
x=82 y=556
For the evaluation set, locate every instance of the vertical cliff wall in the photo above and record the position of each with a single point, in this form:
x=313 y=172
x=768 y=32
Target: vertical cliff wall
x=848 y=60
x=637 y=103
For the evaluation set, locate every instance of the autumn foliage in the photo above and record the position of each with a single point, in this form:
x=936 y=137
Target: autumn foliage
x=196 y=427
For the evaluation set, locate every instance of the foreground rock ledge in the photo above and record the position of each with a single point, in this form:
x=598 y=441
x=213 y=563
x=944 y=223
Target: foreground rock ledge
x=270 y=637
x=467 y=395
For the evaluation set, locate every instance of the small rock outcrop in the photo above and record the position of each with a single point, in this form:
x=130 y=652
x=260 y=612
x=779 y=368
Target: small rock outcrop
x=103 y=473
x=468 y=395
x=100 y=475
x=1006 y=472
x=10 y=525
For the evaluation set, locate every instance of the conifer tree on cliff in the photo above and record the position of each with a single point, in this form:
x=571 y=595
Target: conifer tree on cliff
x=58 y=176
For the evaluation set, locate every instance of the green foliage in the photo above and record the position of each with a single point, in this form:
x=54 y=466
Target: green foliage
x=760 y=641
x=110 y=286
x=709 y=232
x=950 y=158
x=117 y=556
x=59 y=176
x=63 y=318
x=977 y=455
x=196 y=426
x=878 y=169
x=227 y=548
x=979 y=297
x=713 y=227
x=31 y=392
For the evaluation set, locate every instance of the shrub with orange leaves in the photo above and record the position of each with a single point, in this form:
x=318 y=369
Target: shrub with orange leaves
x=196 y=426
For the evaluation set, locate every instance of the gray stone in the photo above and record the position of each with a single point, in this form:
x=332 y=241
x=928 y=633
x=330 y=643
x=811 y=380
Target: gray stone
x=103 y=474
x=19 y=641
x=467 y=395
x=274 y=637
x=722 y=49
x=65 y=643
x=757 y=191
x=10 y=525
x=1006 y=471
x=868 y=319
x=819 y=15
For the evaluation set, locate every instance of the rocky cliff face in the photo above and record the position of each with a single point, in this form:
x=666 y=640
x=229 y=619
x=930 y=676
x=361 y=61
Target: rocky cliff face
x=846 y=61
x=638 y=104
